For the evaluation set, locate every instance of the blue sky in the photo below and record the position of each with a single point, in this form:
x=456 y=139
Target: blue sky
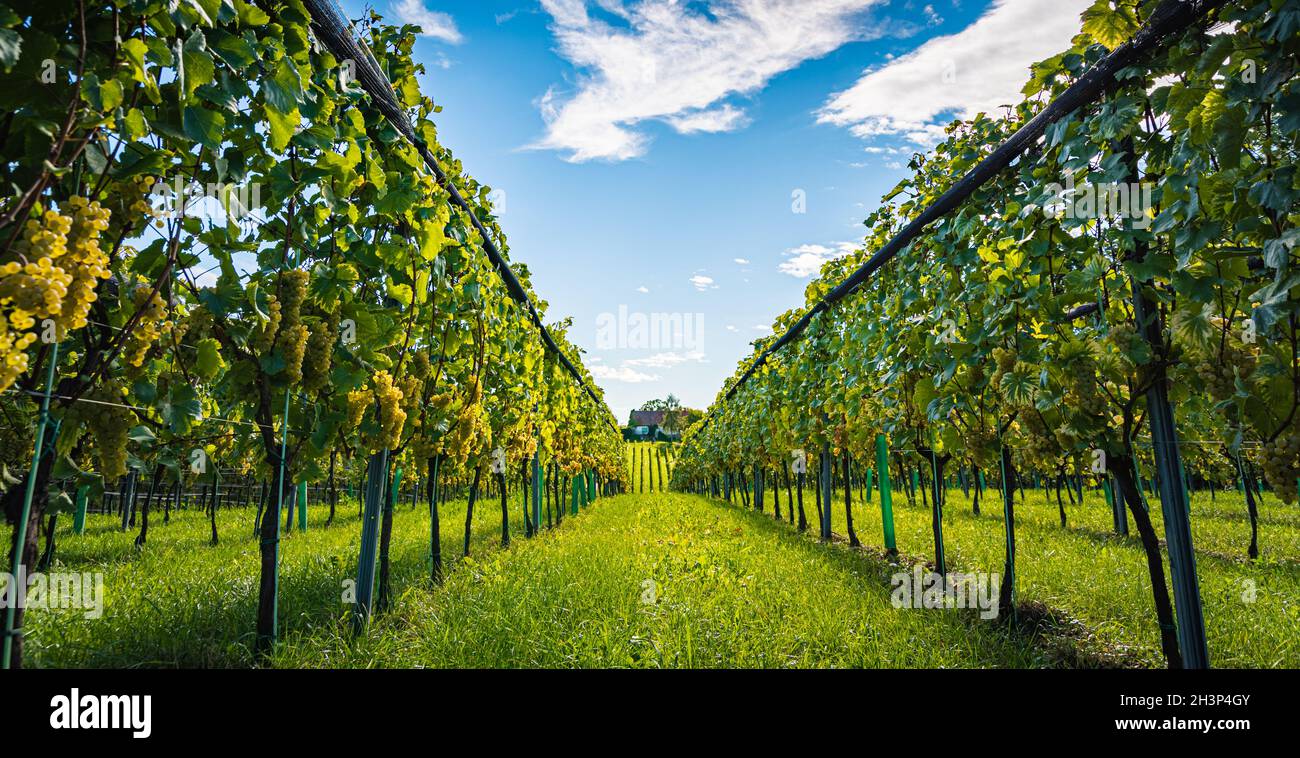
x=649 y=152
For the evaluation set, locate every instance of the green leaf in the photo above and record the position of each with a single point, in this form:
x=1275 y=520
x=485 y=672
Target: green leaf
x=1110 y=26
x=197 y=62
x=203 y=126
x=11 y=45
x=283 y=126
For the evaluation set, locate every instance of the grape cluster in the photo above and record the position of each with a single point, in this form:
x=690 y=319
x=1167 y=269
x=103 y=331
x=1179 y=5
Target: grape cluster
x=391 y=415
x=358 y=402
x=470 y=430
x=293 y=334
x=149 y=327
x=1039 y=447
x=264 y=338
x=1006 y=361
x=320 y=352
x=1282 y=464
x=135 y=199
x=60 y=265
x=1122 y=336
x=1220 y=375
x=109 y=424
x=1082 y=391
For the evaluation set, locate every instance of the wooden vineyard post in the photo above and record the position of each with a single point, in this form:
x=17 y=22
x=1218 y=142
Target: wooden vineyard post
x=825 y=483
x=1119 y=516
x=79 y=516
x=302 y=506
x=376 y=478
x=936 y=510
x=886 y=497
x=1008 y=590
x=1173 y=500
x=1169 y=465
x=435 y=548
x=537 y=489
x=758 y=488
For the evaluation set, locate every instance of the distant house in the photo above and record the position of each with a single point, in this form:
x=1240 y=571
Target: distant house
x=648 y=426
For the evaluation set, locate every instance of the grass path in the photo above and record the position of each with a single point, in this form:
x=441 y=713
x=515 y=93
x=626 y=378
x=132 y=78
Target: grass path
x=665 y=581
x=661 y=580
x=658 y=580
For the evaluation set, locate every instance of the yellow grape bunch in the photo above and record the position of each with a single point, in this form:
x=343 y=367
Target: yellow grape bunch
x=58 y=265
x=391 y=418
x=1282 y=464
x=149 y=327
x=105 y=415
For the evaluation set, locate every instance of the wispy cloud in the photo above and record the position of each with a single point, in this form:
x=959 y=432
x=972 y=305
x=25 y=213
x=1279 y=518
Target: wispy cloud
x=678 y=63
x=666 y=360
x=741 y=261
x=806 y=260
x=622 y=374
x=642 y=289
x=702 y=282
x=975 y=70
x=433 y=23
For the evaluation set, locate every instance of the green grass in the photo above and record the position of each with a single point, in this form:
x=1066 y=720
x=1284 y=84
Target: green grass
x=1101 y=579
x=646 y=474
x=182 y=602
x=732 y=588
x=669 y=581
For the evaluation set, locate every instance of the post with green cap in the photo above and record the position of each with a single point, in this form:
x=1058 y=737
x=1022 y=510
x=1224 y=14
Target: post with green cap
x=886 y=497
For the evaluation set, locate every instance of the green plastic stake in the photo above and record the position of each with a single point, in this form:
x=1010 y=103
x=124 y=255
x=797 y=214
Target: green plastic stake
x=537 y=490
x=870 y=475
x=79 y=518
x=576 y=493
x=825 y=484
x=591 y=488
x=886 y=497
x=376 y=478
x=20 y=528
x=302 y=506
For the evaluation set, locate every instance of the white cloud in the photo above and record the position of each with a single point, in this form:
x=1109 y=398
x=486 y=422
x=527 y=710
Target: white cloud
x=762 y=328
x=741 y=261
x=434 y=23
x=702 y=282
x=622 y=374
x=666 y=360
x=677 y=63
x=975 y=70
x=806 y=260
x=732 y=328
x=642 y=289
